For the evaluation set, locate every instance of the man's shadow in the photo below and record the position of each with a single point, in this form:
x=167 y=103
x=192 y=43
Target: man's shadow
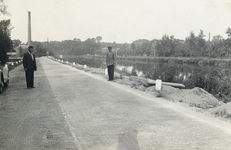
x=128 y=141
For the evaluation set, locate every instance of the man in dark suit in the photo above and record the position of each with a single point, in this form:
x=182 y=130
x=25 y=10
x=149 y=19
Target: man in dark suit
x=29 y=64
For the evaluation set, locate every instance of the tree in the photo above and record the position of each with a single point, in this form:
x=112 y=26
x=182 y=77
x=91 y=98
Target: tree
x=191 y=41
x=201 y=43
x=16 y=42
x=166 y=46
x=5 y=41
x=228 y=32
x=90 y=45
x=141 y=47
x=153 y=50
x=3 y=8
x=217 y=47
x=21 y=51
x=39 y=49
x=182 y=50
x=5 y=28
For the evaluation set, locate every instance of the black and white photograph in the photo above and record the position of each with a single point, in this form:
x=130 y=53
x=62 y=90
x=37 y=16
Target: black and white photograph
x=115 y=74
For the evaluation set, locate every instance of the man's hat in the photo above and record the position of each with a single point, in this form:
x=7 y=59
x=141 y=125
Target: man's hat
x=109 y=47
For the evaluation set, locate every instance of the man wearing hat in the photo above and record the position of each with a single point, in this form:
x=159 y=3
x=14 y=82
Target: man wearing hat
x=110 y=62
x=29 y=65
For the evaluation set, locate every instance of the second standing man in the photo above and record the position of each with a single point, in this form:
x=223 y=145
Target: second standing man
x=110 y=62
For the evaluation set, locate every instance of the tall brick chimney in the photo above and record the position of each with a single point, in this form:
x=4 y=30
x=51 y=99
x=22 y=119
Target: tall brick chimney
x=29 y=29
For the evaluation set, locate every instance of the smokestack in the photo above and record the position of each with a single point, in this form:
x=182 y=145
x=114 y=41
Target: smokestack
x=29 y=29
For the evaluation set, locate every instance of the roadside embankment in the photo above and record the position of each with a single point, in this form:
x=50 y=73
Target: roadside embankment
x=196 y=98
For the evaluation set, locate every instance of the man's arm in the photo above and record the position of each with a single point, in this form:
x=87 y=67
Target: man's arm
x=35 y=63
x=25 y=62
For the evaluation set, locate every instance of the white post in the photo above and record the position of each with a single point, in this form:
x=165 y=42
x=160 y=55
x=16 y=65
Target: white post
x=106 y=73
x=158 y=84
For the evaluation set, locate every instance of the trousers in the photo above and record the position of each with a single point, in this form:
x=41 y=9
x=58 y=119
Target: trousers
x=110 y=72
x=29 y=78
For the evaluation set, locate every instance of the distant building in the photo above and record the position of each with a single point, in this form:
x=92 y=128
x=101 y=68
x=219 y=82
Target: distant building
x=21 y=49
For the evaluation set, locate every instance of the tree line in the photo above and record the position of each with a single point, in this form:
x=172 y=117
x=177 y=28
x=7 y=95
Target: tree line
x=168 y=46
x=192 y=46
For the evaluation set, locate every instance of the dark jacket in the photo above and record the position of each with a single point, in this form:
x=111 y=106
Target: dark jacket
x=110 y=59
x=28 y=63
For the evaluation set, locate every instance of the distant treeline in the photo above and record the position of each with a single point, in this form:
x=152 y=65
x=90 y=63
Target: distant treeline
x=167 y=46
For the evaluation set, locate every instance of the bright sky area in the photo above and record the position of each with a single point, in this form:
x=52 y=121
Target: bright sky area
x=117 y=20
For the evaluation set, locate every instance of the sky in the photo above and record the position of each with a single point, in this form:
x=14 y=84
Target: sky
x=122 y=21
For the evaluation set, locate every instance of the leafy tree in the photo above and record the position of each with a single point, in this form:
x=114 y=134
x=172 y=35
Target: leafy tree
x=90 y=45
x=3 y=8
x=16 y=42
x=166 y=46
x=217 y=47
x=22 y=50
x=141 y=47
x=182 y=50
x=152 y=46
x=5 y=28
x=228 y=32
x=39 y=48
x=191 y=41
x=201 y=43
x=125 y=49
x=5 y=41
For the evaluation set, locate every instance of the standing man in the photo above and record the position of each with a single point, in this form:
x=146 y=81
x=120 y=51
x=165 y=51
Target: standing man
x=110 y=62
x=29 y=64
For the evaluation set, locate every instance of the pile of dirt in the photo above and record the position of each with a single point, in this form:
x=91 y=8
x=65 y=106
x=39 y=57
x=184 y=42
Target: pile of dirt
x=223 y=110
x=196 y=97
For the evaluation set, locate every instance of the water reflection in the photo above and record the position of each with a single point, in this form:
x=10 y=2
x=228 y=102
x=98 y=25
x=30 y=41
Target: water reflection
x=167 y=72
x=124 y=69
x=164 y=71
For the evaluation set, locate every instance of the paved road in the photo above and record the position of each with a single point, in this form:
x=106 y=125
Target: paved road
x=73 y=110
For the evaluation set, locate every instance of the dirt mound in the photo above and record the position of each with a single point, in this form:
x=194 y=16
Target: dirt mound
x=223 y=110
x=169 y=90
x=195 y=97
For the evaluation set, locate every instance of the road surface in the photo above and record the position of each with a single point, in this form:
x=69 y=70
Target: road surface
x=72 y=110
